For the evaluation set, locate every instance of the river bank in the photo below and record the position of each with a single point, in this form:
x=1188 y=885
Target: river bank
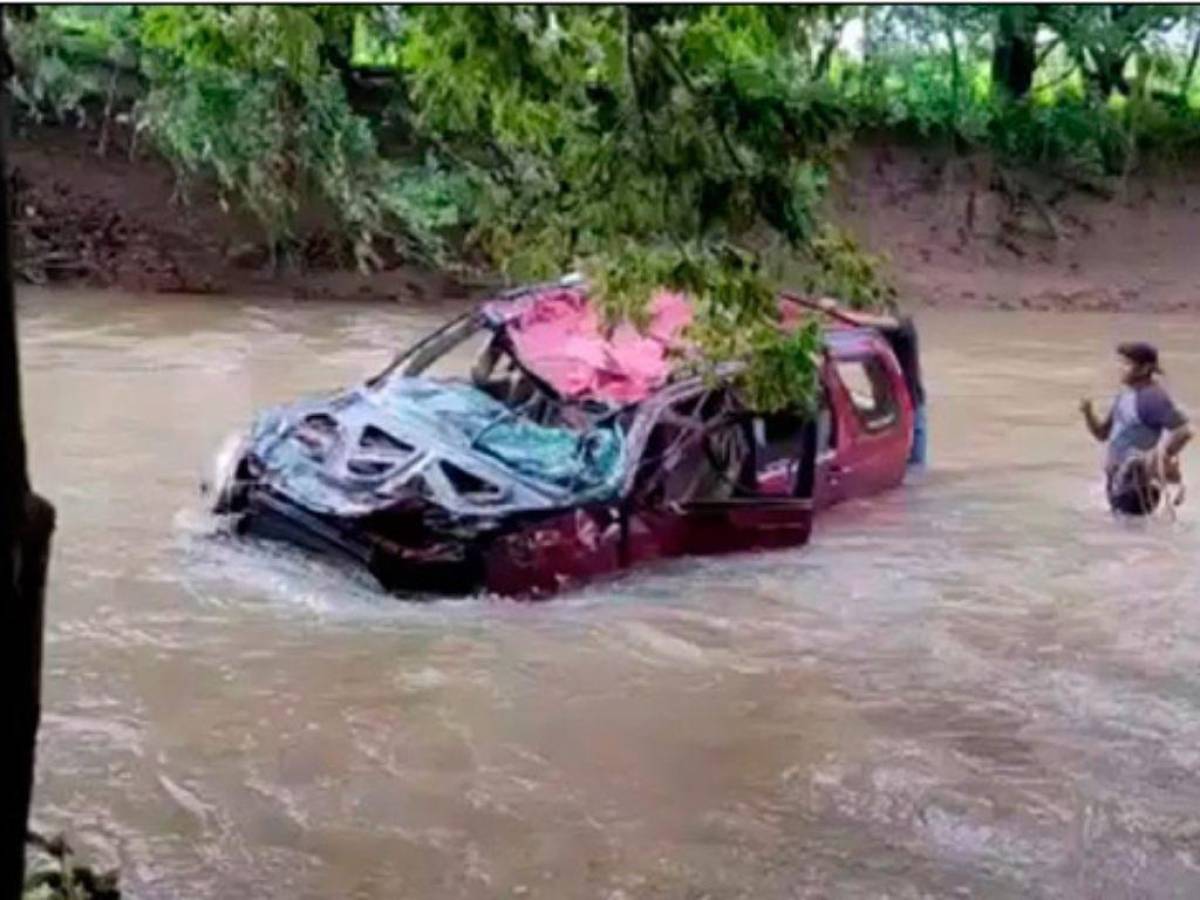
x=957 y=232
x=119 y=221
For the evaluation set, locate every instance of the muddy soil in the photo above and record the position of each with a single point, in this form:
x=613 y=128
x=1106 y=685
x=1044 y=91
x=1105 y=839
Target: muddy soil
x=118 y=220
x=965 y=233
x=956 y=231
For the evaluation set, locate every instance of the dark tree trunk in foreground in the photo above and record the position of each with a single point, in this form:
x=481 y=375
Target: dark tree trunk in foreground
x=1110 y=75
x=26 y=522
x=1014 y=56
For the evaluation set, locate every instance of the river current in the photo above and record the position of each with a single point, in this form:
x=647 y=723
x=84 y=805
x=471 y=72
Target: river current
x=980 y=685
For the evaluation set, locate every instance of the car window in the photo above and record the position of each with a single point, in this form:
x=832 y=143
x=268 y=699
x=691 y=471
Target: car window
x=870 y=390
x=469 y=352
x=458 y=359
x=779 y=436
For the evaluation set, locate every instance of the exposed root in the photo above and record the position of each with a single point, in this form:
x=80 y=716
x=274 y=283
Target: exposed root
x=61 y=236
x=1019 y=194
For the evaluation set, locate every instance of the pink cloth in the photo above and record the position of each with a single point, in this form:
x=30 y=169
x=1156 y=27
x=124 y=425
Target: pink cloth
x=559 y=336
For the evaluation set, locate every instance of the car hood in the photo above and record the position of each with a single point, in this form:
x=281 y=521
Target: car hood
x=448 y=444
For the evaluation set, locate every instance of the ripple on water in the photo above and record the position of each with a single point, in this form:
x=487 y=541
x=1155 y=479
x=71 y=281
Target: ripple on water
x=981 y=685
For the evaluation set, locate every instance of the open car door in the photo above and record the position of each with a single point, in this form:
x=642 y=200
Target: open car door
x=873 y=421
x=711 y=480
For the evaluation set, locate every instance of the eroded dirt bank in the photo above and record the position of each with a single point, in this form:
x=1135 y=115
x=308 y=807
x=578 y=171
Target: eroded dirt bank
x=119 y=221
x=963 y=232
x=958 y=232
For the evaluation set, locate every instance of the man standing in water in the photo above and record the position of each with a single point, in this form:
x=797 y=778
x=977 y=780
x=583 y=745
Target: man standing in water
x=1136 y=467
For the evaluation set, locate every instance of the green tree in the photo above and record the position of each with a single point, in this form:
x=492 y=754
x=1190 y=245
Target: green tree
x=1191 y=20
x=647 y=146
x=71 y=61
x=1102 y=39
x=252 y=96
x=1014 y=49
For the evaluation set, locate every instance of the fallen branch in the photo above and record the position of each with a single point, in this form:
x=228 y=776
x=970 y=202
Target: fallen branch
x=53 y=874
x=1010 y=245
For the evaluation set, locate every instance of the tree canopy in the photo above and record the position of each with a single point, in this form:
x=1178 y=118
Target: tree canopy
x=647 y=146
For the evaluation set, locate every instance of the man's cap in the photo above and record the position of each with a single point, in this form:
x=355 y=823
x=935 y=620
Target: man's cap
x=1140 y=354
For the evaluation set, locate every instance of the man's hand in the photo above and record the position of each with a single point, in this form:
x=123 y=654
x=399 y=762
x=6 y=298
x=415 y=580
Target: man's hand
x=1170 y=469
x=1178 y=439
x=1100 y=430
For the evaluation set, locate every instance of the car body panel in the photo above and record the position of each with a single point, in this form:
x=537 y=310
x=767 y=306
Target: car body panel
x=865 y=460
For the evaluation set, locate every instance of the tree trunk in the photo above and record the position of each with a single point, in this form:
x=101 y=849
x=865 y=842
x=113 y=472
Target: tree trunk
x=1110 y=60
x=1109 y=75
x=1189 y=72
x=1014 y=53
x=868 y=36
x=955 y=78
x=26 y=522
x=871 y=76
x=825 y=57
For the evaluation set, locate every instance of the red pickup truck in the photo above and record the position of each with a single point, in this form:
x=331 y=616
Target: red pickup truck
x=522 y=448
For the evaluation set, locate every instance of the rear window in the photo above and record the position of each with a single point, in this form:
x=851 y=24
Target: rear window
x=870 y=390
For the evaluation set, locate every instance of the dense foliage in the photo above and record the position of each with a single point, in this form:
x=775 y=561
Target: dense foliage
x=1082 y=91
x=647 y=145
x=644 y=145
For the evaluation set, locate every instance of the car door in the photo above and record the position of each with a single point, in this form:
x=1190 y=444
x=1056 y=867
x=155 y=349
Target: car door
x=827 y=483
x=873 y=417
x=698 y=490
x=546 y=555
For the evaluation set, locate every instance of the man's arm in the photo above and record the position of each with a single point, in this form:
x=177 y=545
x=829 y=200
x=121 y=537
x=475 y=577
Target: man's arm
x=1158 y=410
x=1100 y=428
x=858 y=317
x=1176 y=441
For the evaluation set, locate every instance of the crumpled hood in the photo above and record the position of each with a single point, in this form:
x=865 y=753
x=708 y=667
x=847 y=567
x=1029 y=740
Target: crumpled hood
x=448 y=444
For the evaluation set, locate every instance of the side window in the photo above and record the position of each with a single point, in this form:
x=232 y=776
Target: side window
x=779 y=436
x=870 y=390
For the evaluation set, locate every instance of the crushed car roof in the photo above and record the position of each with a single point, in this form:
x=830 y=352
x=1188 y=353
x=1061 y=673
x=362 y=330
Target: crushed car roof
x=560 y=337
x=365 y=449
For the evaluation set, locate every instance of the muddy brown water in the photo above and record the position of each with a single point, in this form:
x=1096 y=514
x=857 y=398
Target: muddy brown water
x=980 y=685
